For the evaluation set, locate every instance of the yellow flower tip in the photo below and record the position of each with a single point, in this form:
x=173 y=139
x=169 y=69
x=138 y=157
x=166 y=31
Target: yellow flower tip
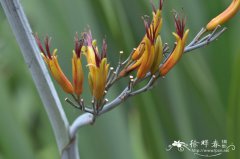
x=186 y=32
x=84 y=49
x=226 y=15
x=94 y=43
x=42 y=54
x=54 y=52
x=185 y=36
x=74 y=53
x=177 y=37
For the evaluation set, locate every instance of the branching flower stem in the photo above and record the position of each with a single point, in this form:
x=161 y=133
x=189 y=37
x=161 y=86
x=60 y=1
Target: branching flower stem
x=197 y=42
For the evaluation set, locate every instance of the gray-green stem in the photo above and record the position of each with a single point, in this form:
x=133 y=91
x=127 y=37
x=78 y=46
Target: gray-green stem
x=23 y=33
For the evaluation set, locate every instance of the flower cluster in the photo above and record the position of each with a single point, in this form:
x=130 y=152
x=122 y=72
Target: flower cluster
x=149 y=53
x=148 y=59
x=97 y=64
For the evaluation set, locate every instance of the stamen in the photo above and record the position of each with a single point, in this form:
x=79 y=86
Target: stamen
x=156 y=28
x=104 y=49
x=153 y=7
x=78 y=45
x=179 y=24
x=97 y=58
x=160 y=4
x=88 y=37
x=76 y=42
x=39 y=44
x=47 y=44
x=150 y=31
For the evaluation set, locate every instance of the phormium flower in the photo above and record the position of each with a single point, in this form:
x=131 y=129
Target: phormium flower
x=52 y=62
x=149 y=56
x=77 y=71
x=181 y=38
x=98 y=67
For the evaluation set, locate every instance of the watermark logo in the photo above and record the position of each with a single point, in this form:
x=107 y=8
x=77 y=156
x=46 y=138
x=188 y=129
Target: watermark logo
x=203 y=148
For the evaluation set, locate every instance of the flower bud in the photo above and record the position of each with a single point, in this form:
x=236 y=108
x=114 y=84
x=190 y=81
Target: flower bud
x=225 y=15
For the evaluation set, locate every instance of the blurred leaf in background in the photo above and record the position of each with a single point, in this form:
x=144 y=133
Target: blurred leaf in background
x=198 y=99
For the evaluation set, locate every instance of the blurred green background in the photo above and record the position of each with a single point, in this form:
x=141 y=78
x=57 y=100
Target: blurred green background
x=198 y=100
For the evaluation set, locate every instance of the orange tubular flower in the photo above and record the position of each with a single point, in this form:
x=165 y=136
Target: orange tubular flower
x=98 y=67
x=225 y=15
x=157 y=18
x=77 y=71
x=52 y=62
x=152 y=54
x=181 y=38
